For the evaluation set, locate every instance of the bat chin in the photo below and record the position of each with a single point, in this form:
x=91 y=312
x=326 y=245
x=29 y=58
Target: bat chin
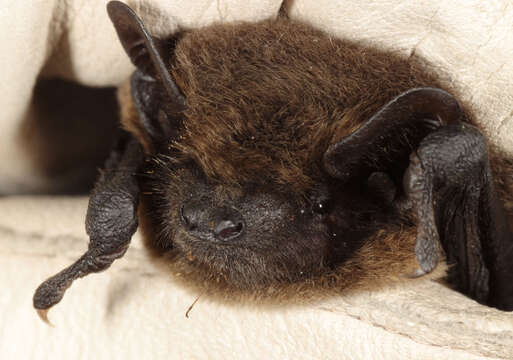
x=194 y=249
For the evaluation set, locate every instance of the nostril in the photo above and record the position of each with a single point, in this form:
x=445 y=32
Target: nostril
x=188 y=219
x=227 y=229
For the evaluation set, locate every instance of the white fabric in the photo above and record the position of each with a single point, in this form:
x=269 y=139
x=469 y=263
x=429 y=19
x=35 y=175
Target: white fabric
x=76 y=40
x=134 y=310
x=471 y=42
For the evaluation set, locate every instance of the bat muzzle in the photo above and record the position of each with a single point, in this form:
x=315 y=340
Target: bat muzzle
x=212 y=224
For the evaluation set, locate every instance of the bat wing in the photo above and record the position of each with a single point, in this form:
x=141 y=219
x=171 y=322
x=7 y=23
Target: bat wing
x=112 y=213
x=111 y=221
x=444 y=167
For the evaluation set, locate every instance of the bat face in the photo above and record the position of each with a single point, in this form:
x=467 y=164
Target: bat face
x=258 y=233
x=244 y=234
x=272 y=153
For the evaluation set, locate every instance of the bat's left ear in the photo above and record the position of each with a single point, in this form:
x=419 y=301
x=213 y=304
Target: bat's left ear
x=151 y=56
x=385 y=141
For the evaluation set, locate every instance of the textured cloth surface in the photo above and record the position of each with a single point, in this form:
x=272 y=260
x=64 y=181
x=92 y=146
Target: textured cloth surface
x=75 y=39
x=136 y=311
x=470 y=42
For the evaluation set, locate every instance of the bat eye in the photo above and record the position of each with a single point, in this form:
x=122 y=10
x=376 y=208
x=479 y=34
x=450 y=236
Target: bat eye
x=320 y=200
x=321 y=206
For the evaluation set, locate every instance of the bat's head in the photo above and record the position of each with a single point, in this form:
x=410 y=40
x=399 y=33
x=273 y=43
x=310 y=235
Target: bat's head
x=234 y=180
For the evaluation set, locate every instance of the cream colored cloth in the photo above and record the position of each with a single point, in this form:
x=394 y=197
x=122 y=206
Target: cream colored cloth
x=471 y=42
x=75 y=39
x=134 y=310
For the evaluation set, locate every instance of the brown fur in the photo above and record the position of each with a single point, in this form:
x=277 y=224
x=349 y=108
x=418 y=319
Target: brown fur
x=245 y=83
x=265 y=101
x=129 y=119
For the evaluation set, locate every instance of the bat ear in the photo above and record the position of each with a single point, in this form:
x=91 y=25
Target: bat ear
x=385 y=141
x=150 y=55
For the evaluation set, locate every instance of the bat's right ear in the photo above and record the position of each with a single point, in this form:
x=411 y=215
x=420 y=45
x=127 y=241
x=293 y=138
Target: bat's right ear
x=150 y=55
x=385 y=141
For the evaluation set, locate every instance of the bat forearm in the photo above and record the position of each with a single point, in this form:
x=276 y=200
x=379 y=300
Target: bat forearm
x=110 y=223
x=456 y=186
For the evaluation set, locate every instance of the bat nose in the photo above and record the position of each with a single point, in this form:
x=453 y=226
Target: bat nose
x=221 y=223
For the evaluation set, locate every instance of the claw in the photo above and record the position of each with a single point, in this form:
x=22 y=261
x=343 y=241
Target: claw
x=43 y=315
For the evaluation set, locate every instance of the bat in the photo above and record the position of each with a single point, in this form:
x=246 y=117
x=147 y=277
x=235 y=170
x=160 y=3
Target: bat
x=257 y=155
